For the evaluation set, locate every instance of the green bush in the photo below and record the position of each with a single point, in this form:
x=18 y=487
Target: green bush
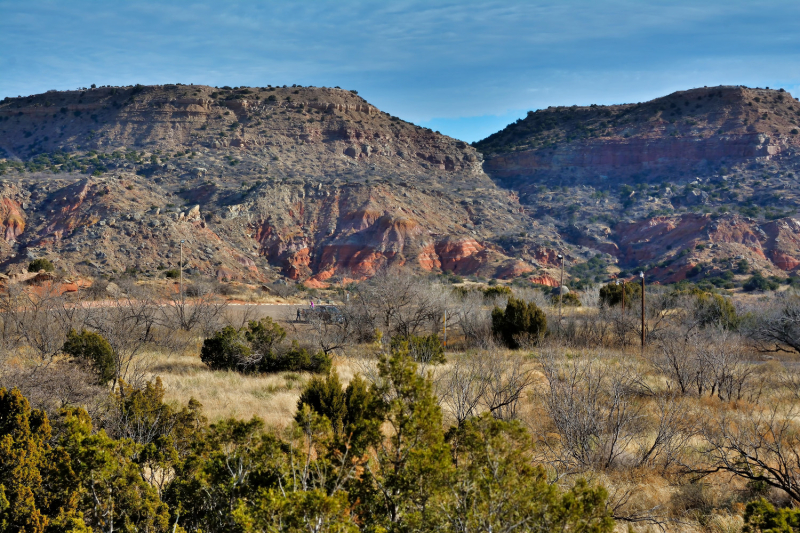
x=497 y=290
x=569 y=299
x=762 y=517
x=713 y=309
x=40 y=264
x=758 y=282
x=257 y=348
x=611 y=294
x=92 y=348
x=172 y=273
x=426 y=349
x=225 y=350
x=518 y=318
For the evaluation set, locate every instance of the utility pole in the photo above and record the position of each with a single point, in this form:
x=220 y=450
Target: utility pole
x=641 y=275
x=445 y=328
x=181 y=269
x=560 y=291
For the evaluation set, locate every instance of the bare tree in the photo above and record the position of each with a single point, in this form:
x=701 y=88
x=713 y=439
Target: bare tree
x=330 y=333
x=506 y=380
x=472 y=317
x=593 y=411
x=464 y=385
x=671 y=434
x=774 y=326
x=204 y=311
x=59 y=384
x=398 y=303
x=129 y=324
x=677 y=358
x=38 y=320
x=723 y=361
x=762 y=446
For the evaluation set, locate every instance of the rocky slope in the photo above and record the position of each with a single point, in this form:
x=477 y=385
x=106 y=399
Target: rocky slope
x=694 y=179
x=308 y=183
x=316 y=185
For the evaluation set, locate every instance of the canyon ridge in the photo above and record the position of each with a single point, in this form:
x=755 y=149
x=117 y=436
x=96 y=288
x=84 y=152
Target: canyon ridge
x=312 y=184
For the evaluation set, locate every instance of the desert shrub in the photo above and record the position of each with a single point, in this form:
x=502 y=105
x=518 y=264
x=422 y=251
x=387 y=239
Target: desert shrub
x=354 y=412
x=225 y=349
x=762 y=517
x=295 y=359
x=497 y=290
x=758 y=282
x=173 y=273
x=518 y=318
x=611 y=294
x=713 y=309
x=94 y=349
x=426 y=349
x=40 y=264
x=569 y=299
x=258 y=348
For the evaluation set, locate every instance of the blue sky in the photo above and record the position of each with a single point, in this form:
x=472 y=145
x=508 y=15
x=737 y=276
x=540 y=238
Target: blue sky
x=464 y=68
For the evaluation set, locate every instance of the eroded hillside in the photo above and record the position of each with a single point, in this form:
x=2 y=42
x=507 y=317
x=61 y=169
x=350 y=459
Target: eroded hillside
x=694 y=180
x=260 y=182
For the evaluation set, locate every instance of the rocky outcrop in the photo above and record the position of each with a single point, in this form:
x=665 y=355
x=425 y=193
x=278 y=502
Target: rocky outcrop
x=773 y=244
x=679 y=132
x=12 y=219
x=626 y=156
x=544 y=280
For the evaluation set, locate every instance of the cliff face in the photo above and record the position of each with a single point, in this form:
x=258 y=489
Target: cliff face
x=317 y=185
x=646 y=184
x=308 y=183
x=682 y=131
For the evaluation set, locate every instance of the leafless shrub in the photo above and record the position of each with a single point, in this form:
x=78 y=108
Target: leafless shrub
x=97 y=290
x=283 y=290
x=593 y=410
x=38 y=320
x=472 y=318
x=587 y=328
x=329 y=333
x=396 y=303
x=203 y=312
x=678 y=359
x=759 y=446
x=774 y=325
x=129 y=325
x=671 y=434
x=590 y=298
x=506 y=380
x=528 y=295
x=240 y=315
x=464 y=386
x=61 y=384
x=723 y=361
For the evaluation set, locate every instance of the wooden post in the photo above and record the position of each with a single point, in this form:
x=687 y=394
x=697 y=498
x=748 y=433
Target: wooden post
x=560 y=291
x=641 y=274
x=445 y=328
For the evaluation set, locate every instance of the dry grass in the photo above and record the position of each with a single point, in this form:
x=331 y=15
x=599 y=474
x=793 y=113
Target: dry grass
x=714 y=505
x=226 y=394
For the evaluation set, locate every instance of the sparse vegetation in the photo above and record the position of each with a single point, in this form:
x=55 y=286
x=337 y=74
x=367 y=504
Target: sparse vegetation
x=40 y=264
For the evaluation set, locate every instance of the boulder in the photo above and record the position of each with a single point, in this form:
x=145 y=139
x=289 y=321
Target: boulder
x=563 y=289
x=194 y=213
x=695 y=197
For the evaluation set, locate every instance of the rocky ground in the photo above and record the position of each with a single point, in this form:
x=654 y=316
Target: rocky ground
x=315 y=184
